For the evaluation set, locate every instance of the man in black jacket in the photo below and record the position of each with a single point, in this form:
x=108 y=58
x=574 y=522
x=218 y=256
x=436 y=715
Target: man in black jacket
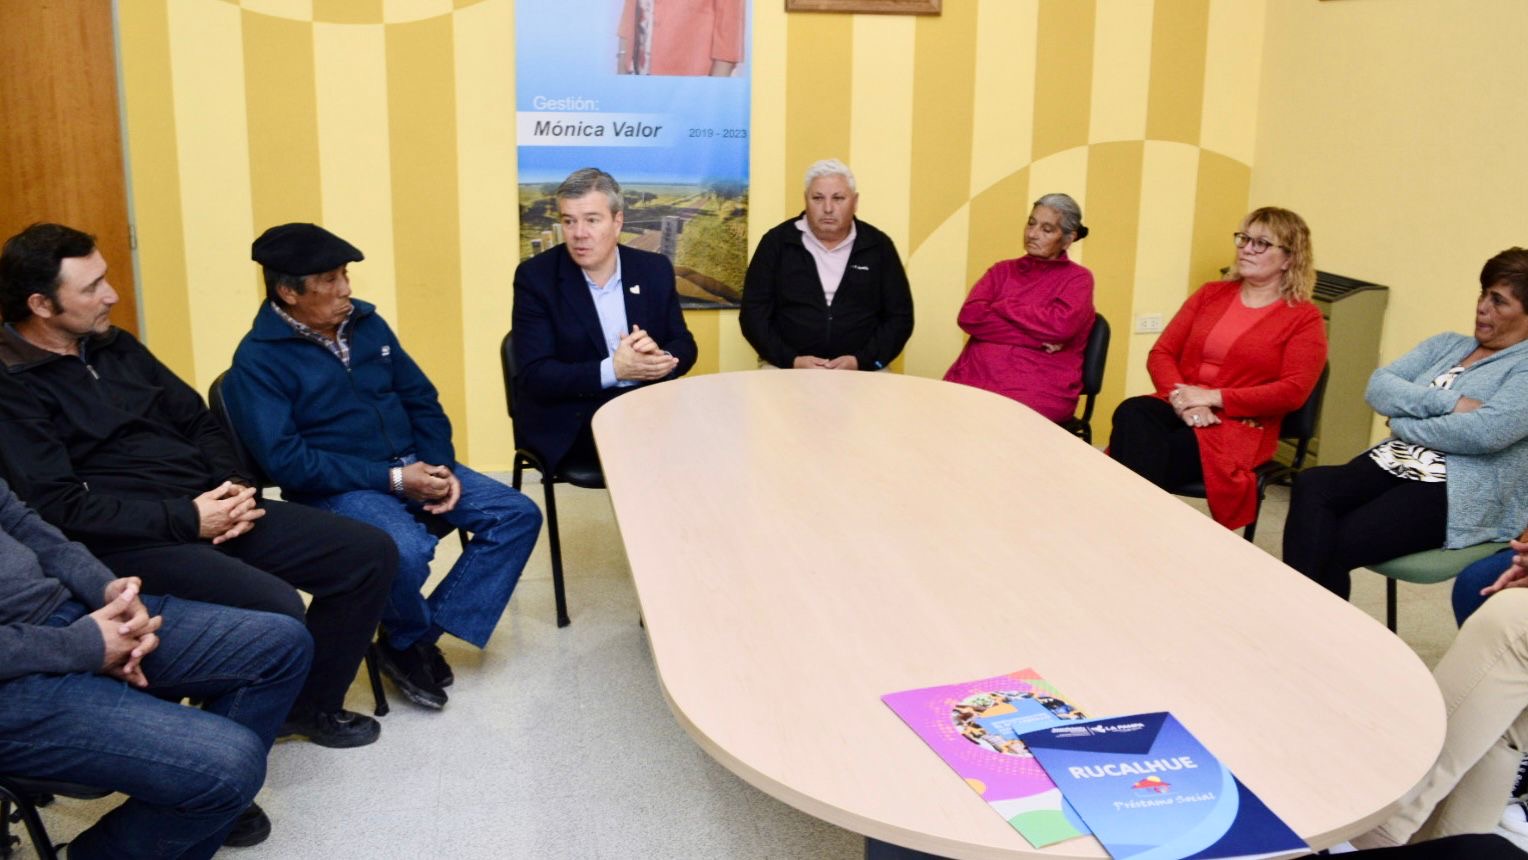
x=116 y=451
x=825 y=289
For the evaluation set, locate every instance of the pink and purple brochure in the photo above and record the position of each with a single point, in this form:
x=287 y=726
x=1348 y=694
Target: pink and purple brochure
x=975 y=728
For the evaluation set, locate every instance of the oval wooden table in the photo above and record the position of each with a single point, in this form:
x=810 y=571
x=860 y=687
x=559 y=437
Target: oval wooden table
x=803 y=542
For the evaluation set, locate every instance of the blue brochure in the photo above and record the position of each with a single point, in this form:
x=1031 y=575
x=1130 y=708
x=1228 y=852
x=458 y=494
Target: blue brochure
x=1150 y=791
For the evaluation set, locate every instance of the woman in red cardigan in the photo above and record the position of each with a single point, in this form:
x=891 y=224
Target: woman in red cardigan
x=1238 y=356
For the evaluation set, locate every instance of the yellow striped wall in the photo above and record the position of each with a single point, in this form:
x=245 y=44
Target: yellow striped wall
x=1396 y=128
x=391 y=122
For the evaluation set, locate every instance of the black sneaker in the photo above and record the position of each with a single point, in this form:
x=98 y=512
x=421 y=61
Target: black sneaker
x=250 y=828
x=410 y=670
x=440 y=670
x=339 y=730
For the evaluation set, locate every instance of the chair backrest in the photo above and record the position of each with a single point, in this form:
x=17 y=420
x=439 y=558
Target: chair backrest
x=511 y=370
x=219 y=408
x=1094 y=357
x=1300 y=424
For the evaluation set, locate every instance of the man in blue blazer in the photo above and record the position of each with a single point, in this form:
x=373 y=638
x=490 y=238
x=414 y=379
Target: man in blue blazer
x=592 y=320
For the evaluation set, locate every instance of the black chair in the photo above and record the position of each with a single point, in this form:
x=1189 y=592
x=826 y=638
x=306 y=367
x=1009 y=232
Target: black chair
x=1299 y=425
x=219 y=407
x=20 y=799
x=573 y=470
x=1094 y=357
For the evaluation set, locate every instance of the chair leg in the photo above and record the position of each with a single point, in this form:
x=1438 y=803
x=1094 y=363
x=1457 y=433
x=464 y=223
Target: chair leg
x=1390 y=603
x=26 y=813
x=556 y=548
x=515 y=475
x=1257 y=511
x=375 y=675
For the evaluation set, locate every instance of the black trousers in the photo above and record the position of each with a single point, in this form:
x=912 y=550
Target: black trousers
x=1357 y=514
x=1153 y=442
x=347 y=566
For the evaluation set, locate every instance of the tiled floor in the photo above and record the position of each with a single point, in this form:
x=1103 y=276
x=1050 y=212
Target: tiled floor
x=558 y=743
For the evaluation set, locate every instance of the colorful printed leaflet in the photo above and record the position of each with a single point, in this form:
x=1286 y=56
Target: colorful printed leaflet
x=1151 y=791
x=975 y=728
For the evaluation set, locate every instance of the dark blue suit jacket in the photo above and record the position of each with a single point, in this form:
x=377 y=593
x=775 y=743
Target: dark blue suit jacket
x=559 y=345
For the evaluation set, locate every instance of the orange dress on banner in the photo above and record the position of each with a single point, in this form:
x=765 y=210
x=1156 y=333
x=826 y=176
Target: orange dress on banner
x=680 y=37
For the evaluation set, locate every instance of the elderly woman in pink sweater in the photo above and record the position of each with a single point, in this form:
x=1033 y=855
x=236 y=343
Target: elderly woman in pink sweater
x=1029 y=318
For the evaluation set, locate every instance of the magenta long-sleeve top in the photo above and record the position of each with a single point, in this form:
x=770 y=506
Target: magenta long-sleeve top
x=1017 y=308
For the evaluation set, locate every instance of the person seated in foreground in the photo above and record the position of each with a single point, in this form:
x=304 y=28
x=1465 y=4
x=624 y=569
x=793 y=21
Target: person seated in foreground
x=593 y=319
x=1029 y=318
x=1484 y=681
x=1450 y=475
x=341 y=418
x=124 y=457
x=825 y=289
x=1236 y=358
x=91 y=673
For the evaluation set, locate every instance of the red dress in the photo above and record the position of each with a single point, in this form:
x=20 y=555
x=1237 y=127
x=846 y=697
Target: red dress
x=1268 y=373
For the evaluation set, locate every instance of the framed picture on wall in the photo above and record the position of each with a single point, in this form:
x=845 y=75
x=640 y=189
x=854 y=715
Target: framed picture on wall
x=889 y=7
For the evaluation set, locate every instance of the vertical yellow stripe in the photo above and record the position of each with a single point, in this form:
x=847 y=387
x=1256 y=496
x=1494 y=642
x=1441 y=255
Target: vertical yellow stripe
x=421 y=102
x=283 y=124
x=1121 y=70
x=1164 y=235
x=348 y=11
x=1178 y=33
x=1219 y=205
x=355 y=156
x=937 y=296
x=773 y=192
x=942 y=119
x=768 y=159
x=881 y=121
x=1063 y=76
x=149 y=93
x=1003 y=101
x=206 y=53
x=1232 y=75
x=732 y=351
x=818 y=84
x=998 y=216
x=1113 y=215
x=706 y=327
x=485 y=88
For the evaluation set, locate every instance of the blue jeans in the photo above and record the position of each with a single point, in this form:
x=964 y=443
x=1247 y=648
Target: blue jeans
x=1478 y=575
x=468 y=602
x=188 y=773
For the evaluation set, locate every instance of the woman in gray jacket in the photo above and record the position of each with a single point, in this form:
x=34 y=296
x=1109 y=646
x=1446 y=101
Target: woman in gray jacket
x=1454 y=471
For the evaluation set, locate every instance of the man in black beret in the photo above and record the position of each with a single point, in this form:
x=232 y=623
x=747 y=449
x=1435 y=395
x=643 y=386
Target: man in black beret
x=337 y=413
x=110 y=446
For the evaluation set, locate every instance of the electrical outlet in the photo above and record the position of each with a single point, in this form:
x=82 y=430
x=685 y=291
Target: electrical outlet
x=1148 y=323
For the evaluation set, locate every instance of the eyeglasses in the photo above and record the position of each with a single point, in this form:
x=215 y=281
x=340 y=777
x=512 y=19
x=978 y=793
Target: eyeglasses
x=1257 y=243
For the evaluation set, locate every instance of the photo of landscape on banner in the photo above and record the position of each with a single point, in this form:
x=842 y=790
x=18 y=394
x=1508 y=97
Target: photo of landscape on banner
x=655 y=93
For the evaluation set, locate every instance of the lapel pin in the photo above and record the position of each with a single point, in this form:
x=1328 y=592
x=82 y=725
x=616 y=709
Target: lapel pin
x=636 y=289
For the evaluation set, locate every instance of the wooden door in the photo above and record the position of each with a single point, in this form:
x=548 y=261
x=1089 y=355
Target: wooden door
x=60 y=130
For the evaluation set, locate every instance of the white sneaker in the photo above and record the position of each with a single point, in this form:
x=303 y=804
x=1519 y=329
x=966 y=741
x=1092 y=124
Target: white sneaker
x=1515 y=817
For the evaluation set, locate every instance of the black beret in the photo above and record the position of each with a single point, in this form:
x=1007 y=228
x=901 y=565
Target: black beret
x=302 y=249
